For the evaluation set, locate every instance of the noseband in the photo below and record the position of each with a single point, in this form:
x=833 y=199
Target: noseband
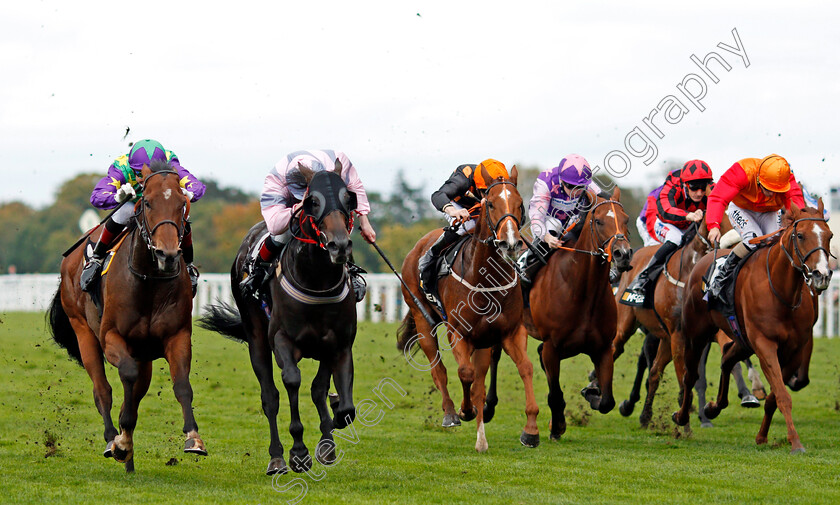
x=605 y=246
x=802 y=268
x=494 y=227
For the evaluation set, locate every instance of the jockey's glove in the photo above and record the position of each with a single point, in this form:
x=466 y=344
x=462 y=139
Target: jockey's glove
x=124 y=192
x=187 y=193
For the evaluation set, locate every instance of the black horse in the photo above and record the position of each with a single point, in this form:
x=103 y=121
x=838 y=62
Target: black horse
x=312 y=315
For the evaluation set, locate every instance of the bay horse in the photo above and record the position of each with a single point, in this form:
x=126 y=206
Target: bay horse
x=662 y=319
x=313 y=315
x=572 y=307
x=776 y=305
x=483 y=304
x=146 y=313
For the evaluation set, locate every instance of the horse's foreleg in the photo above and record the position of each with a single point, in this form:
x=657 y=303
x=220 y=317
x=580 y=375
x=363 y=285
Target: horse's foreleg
x=117 y=354
x=642 y=364
x=556 y=402
x=342 y=373
x=94 y=364
x=767 y=350
x=462 y=350
x=800 y=379
x=700 y=387
x=481 y=361
x=744 y=393
x=260 y=355
x=428 y=343
x=325 y=451
x=298 y=455
x=663 y=357
x=517 y=348
x=492 y=399
x=732 y=353
x=604 y=370
x=178 y=352
x=769 y=410
x=691 y=353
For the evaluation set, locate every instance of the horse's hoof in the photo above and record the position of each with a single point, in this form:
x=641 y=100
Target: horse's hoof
x=711 y=411
x=195 y=446
x=750 y=402
x=626 y=408
x=129 y=466
x=677 y=419
x=489 y=412
x=644 y=419
x=450 y=420
x=300 y=462
x=109 y=450
x=121 y=455
x=590 y=391
x=277 y=465
x=468 y=417
x=554 y=437
x=760 y=393
x=798 y=450
x=529 y=440
x=325 y=452
x=706 y=424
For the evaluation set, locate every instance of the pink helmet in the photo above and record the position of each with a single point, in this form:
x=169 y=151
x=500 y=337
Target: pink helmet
x=574 y=170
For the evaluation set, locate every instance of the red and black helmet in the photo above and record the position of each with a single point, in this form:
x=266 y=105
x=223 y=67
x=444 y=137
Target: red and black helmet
x=696 y=173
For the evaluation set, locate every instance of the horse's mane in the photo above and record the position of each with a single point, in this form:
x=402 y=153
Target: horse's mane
x=159 y=165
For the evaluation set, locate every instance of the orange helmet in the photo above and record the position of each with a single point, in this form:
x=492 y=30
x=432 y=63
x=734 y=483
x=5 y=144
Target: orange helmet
x=494 y=168
x=774 y=174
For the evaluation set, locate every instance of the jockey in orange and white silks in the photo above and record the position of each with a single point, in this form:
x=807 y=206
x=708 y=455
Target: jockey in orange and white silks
x=752 y=192
x=121 y=185
x=283 y=192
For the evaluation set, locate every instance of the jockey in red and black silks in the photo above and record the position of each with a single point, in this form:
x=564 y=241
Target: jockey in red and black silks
x=681 y=202
x=121 y=185
x=647 y=219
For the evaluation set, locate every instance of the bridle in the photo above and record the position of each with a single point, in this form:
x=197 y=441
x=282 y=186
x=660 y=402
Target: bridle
x=603 y=248
x=494 y=227
x=146 y=233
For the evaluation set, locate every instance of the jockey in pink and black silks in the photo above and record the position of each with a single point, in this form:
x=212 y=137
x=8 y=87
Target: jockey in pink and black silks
x=121 y=185
x=555 y=209
x=283 y=193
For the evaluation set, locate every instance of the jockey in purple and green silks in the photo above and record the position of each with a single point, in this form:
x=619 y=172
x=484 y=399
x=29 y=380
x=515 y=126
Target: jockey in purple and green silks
x=120 y=185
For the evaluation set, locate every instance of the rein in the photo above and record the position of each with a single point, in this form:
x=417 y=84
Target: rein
x=307 y=219
x=601 y=252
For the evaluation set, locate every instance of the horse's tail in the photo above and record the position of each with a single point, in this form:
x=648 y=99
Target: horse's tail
x=406 y=331
x=62 y=331
x=225 y=319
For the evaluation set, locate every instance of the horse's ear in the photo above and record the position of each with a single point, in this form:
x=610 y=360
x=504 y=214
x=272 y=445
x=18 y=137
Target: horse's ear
x=794 y=209
x=338 y=166
x=787 y=216
x=616 y=194
x=514 y=175
x=306 y=172
x=145 y=171
x=485 y=175
x=820 y=206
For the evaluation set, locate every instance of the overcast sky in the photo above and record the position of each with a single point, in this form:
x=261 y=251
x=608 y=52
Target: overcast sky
x=420 y=85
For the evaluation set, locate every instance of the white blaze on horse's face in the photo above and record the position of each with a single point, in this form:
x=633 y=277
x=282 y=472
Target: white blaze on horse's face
x=610 y=213
x=167 y=193
x=510 y=232
x=822 y=264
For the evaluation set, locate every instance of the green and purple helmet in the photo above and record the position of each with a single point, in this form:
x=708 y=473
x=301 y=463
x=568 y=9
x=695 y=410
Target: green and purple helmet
x=144 y=152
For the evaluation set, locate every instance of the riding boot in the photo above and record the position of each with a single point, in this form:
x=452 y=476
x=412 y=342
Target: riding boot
x=639 y=285
x=427 y=262
x=262 y=267
x=716 y=289
x=356 y=279
x=188 y=252
x=529 y=264
x=91 y=270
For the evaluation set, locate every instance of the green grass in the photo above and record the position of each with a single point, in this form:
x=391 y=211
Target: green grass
x=407 y=457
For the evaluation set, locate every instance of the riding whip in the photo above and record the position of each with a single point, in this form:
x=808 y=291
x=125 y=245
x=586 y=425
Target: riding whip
x=417 y=303
x=86 y=235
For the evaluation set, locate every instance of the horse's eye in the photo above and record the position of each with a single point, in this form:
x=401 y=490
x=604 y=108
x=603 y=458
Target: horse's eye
x=799 y=236
x=599 y=222
x=147 y=204
x=489 y=205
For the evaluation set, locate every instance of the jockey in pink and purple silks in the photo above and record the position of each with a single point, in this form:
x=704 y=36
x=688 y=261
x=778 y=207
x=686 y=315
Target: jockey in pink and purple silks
x=282 y=195
x=555 y=210
x=121 y=185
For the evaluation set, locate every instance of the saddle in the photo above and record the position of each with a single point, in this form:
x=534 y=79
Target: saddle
x=442 y=267
x=87 y=253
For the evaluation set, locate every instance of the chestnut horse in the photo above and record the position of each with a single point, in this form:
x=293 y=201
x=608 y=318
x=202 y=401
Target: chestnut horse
x=483 y=303
x=776 y=310
x=663 y=318
x=146 y=313
x=572 y=306
x=313 y=315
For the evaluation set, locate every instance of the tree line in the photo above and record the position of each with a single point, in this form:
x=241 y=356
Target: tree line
x=32 y=240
